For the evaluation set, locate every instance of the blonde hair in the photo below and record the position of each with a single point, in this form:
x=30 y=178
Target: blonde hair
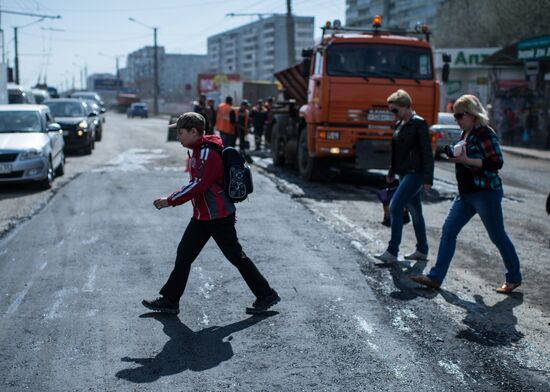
x=470 y=104
x=400 y=98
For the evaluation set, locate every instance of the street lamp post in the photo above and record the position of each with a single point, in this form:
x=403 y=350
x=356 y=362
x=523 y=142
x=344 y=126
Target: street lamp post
x=16 y=54
x=155 y=65
x=83 y=73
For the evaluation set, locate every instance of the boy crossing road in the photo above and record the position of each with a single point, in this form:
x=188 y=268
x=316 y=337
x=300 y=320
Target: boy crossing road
x=213 y=216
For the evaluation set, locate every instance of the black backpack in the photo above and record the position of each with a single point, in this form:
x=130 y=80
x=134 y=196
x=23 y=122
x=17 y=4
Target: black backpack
x=237 y=175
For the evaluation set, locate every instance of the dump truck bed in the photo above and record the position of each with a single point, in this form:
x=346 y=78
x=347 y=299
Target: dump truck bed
x=295 y=83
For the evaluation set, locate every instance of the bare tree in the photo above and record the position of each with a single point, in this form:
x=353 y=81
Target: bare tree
x=487 y=23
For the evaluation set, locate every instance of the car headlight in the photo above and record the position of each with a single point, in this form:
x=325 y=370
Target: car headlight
x=83 y=125
x=31 y=154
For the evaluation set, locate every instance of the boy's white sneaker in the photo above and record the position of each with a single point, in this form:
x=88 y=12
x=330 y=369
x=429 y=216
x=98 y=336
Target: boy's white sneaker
x=416 y=255
x=387 y=257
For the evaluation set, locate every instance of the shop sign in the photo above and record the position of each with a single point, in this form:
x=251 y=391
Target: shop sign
x=534 y=48
x=466 y=57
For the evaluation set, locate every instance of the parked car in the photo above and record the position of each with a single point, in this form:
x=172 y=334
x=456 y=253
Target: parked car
x=138 y=109
x=91 y=95
x=446 y=132
x=31 y=145
x=77 y=121
x=18 y=94
x=94 y=107
x=40 y=95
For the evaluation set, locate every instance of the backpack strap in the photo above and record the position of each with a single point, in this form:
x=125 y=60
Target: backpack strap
x=213 y=146
x=219 y=150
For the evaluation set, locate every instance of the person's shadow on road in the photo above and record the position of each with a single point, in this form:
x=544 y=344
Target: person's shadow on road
x=186 y=350
x=407 y=290
x=488 y=325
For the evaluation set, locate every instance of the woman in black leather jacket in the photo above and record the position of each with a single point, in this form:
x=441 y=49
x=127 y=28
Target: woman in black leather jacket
x=412 y=160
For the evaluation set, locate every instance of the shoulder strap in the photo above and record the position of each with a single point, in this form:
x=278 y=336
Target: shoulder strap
x=213 y=146
x=219 y=150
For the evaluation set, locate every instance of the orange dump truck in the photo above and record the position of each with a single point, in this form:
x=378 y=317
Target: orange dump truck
x=336 y=115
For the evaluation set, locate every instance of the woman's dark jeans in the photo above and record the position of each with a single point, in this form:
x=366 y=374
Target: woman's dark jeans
x=408 y=194
x=488 y=205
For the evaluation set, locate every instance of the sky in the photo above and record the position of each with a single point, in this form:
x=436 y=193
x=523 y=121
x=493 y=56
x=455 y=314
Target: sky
x=92 y=33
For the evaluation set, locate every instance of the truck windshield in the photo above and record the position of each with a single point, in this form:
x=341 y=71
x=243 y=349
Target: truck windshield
x=386 y=61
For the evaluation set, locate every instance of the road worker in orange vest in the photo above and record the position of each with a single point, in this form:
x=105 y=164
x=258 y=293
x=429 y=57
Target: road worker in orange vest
x=226 y=121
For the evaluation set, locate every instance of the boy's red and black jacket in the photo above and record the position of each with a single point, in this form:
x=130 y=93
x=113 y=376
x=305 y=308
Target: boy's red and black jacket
x=205 y=188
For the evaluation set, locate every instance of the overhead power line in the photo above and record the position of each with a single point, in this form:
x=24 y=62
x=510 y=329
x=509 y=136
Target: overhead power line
x=31 y=14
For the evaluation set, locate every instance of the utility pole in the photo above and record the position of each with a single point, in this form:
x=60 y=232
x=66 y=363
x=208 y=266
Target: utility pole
x=290 y=34
x=42 y=17
x=155 y=65
x=156 y=78
x=16 y=61
x=118 y=82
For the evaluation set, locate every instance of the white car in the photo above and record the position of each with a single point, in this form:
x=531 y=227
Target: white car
x=31 y=145
x=447 y=132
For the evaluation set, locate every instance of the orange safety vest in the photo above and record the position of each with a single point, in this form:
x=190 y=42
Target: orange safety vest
x=246 y=116
x=223 y=124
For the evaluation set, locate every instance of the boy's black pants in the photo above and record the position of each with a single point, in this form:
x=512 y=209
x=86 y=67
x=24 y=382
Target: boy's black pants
x=195 y=237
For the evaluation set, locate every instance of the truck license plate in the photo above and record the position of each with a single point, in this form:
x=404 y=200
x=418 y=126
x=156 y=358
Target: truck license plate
x=65 y=133
x=380 y=115
x=5 y=168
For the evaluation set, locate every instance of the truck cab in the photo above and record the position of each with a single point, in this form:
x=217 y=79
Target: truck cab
x=341 y=119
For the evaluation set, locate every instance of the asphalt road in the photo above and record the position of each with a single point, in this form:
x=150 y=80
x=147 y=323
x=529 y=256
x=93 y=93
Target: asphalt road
x=76 y=261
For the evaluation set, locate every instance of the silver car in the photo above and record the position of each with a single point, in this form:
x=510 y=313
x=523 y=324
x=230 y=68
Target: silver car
x=31 y=145
x=447 y=132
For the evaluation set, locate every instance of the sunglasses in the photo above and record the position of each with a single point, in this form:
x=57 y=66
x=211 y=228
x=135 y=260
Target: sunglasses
x=394 y=110
x=458 y=116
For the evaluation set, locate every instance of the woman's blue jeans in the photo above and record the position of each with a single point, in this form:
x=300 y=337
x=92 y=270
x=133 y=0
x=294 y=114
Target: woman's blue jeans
x=408 y=194
x=488 y=205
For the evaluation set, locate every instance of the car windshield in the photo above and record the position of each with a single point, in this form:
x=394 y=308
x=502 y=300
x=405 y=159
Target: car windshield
x=16 y=97
x=92 y=96
x=385 y=61
x=19 y=121
x=66 y=109
x=39 y=98
x=92 y=106
x=139 y=106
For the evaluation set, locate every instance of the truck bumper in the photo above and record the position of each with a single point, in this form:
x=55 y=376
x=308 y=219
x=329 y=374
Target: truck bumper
x=367 y=148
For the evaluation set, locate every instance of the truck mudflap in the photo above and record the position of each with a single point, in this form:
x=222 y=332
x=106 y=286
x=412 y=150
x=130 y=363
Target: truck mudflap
x=373 y=154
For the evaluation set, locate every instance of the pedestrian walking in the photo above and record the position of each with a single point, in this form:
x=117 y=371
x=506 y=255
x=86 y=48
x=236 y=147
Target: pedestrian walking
x=201 y=108
x=511 y=125
x=225 y=122
x=479 y=192
x=213 y=216
x=269 y=123
x=210 y=117
x=412 y=160
x=259 y=119
x=242 y=124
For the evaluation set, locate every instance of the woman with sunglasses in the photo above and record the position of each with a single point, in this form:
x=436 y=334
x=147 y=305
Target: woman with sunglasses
x=412 y=159
x=479 y=192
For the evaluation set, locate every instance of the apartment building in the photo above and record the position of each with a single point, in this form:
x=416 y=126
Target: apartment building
x=404 y=14
x=178 y=73
x=258 y=49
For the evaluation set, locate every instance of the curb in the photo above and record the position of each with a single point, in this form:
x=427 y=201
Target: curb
x=524 y=154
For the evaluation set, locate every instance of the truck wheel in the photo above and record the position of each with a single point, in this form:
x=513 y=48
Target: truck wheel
x=309 y=167
x=277 y=148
